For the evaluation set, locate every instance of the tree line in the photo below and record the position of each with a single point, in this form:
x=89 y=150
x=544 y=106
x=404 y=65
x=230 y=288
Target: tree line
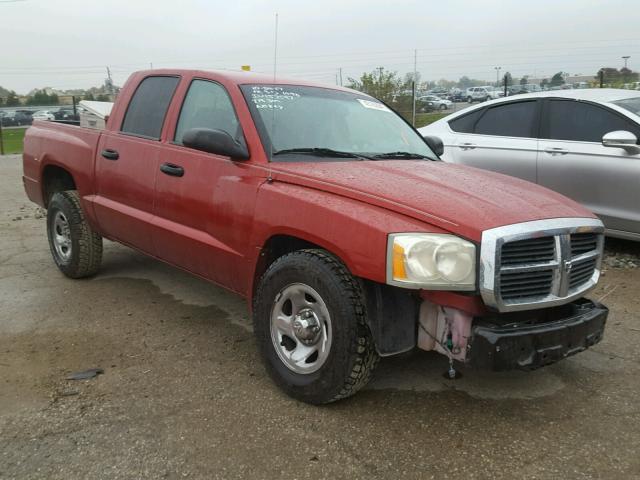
x=9 y=98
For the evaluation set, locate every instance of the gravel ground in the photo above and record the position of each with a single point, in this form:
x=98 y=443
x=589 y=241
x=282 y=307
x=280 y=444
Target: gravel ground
x=183 y=394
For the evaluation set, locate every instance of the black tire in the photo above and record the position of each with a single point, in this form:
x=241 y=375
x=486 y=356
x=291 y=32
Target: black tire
x=352 y=356
x=469 y=100
x=443 y=106
x=85 y=254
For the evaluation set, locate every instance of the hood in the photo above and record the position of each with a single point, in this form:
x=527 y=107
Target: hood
x=460 y=199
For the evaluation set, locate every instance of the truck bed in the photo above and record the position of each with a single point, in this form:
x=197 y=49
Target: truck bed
x=55 y=144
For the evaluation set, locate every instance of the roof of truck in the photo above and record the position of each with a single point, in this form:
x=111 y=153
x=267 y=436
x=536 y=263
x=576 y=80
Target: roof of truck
x=242 y=77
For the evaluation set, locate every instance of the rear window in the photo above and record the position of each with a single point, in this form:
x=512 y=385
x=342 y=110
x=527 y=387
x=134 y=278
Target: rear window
x=510 y=120
x=466 y=123
x=148 y=107
x=506 y=120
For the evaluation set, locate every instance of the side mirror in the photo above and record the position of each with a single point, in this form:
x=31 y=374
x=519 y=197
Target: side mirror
x=435 y=144
x=622 y=139
x=218 y=142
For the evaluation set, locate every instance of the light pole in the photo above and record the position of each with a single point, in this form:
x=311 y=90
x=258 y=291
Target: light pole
x=626 y=58
x=497 y=69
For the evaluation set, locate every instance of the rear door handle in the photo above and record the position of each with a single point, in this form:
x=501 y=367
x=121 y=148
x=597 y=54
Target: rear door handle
x=110 y=154
x=556 y=151
x=171 y=169
x=468 y=146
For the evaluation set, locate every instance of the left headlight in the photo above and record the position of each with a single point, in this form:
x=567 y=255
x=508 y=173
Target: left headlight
x=431 y=261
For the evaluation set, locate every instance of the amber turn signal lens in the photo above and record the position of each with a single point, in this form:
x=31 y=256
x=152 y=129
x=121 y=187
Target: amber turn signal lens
x=399 y=272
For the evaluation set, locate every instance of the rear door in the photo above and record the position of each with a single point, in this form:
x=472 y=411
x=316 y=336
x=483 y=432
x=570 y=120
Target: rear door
x=574 y=162
x=501 y=138
x=126 y=164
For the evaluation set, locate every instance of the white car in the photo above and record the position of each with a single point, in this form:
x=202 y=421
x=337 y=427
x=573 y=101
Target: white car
x=582 y=143
x=437 y=102
x=482 y=94
x=44 y=115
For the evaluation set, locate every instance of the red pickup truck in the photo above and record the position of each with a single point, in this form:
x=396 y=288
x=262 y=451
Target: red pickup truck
x=332 y=216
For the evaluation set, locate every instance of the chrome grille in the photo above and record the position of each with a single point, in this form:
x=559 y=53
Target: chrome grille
x=583 y=243
x=541 y=263
x=581 y=272
x=528 y=251
x=516 y=285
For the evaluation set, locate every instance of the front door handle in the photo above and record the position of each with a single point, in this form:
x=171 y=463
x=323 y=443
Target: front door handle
x=110 y=154
x=556 y=151
x=171 y=169
x=468 y=146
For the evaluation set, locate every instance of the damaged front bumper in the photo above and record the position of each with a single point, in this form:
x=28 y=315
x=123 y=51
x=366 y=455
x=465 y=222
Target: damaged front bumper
x=512 y=341
x=530 y=345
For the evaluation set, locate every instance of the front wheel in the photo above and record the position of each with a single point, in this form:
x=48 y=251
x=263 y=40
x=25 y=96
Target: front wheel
x=309 y=320
x=443 y=106
x=75 y=247
x=469 y=100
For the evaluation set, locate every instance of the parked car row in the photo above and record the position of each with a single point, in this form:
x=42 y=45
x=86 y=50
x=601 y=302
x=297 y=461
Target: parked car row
x=483 y=94
x=432 y=102
x=581 y=143
x=523 y=88
x=441 y=99
x=17 y=118
x=473 y=94
x=44 y=115
x=13 y=118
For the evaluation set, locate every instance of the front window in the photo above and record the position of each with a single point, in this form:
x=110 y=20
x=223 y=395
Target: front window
x=207 y=105
x=631 y=104
x=581 y=122
x=294 y=118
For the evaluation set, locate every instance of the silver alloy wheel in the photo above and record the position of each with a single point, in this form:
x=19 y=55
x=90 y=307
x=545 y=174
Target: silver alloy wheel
x=61 y=236
x=301 y=329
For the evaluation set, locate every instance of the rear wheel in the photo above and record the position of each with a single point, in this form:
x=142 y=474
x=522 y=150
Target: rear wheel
x=75 y=247
x=309 y=320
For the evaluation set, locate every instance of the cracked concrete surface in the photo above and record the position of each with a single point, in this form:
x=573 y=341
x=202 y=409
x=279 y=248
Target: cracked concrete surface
x=185 y=396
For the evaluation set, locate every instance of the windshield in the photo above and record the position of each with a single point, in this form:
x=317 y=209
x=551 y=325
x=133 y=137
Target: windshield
x=631 y=104
x=293 y=117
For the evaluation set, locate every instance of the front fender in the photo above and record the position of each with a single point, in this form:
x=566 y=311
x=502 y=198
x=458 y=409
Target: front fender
x=354 y=231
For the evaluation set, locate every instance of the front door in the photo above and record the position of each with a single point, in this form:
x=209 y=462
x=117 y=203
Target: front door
x=204 y=202
x=574 y=162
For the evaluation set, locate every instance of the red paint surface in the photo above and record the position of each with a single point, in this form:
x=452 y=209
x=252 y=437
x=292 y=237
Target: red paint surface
x=214 y=220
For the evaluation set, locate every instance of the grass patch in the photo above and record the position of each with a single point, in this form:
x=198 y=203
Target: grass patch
x=423 y=119
x=12 y=139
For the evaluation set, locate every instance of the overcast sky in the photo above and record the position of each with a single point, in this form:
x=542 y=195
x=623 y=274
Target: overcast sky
x=68 y=43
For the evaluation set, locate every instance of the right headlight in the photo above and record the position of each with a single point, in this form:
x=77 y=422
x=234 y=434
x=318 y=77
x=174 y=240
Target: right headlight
x=431 y=261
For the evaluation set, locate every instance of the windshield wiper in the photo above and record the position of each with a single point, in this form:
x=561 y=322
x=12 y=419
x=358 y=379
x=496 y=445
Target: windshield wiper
x=321 y=152
x=405 y=155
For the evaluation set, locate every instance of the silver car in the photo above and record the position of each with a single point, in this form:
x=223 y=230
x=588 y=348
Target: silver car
x=581 y=143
